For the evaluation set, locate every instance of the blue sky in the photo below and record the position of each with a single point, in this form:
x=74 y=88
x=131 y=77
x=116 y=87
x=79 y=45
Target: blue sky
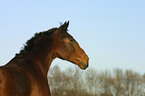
x=112 y=32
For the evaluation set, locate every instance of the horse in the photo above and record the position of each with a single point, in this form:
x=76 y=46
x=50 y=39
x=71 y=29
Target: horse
x=26 y=73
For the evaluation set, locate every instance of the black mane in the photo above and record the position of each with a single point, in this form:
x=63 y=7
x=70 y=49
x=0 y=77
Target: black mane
x=35 y=41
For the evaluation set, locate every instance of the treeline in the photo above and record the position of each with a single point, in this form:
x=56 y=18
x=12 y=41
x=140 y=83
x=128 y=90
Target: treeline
x=75 y=82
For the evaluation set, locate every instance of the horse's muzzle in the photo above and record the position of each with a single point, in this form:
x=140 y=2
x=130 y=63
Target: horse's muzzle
x=84 y=65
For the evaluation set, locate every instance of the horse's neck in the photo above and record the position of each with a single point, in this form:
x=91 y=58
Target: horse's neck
x=44 y=63
x=45 y=59
x=40 y=62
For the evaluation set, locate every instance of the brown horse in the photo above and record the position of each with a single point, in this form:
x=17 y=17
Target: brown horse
x=26 y=73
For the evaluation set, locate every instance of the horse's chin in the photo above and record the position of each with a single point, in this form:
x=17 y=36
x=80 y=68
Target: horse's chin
x=81 y=65
x=83 y=68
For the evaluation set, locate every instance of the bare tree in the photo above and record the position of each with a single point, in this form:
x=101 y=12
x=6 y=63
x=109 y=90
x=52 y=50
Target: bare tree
x=133 y=83
x=92 y=82
x=106 y=82
x=74 y=82
x=118 y=87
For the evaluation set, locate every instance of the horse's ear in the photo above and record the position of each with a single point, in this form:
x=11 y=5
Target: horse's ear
x=64 y=26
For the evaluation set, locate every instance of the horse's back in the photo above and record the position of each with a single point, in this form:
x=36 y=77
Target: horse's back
x=2 y=82
x=19 y=82
x=13 y=82
x=5 y=82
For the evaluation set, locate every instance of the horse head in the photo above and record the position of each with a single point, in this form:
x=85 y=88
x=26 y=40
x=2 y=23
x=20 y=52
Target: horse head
x=67 y=48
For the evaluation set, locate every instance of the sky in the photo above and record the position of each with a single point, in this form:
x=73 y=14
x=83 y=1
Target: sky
x=112 y=32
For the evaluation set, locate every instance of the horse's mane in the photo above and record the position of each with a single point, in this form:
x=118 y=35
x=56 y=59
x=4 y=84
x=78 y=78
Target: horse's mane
x=36 y=40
